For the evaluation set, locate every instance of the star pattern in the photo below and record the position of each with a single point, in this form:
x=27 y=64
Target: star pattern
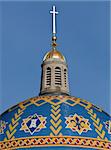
x=33 y=123
x=77 y=123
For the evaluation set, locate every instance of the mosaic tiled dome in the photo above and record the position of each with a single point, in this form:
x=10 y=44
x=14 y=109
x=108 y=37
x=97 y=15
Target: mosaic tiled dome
x=49 y=121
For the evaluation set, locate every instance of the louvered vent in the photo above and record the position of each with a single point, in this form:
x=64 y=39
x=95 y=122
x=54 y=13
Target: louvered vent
x=65 y=77
x=48 y=76
x=57 y=76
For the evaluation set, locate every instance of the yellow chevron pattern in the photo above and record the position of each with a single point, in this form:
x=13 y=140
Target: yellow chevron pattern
x=55 y=107
x=55 y=121
x=97 y=124
x=56 y=124
x=55 y=117
x=14 y=123
x=55 y=112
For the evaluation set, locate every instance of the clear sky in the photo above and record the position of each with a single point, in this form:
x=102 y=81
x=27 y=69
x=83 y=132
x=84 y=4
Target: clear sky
x=83 y=38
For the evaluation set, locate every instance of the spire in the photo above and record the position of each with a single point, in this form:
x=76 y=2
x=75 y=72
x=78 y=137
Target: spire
x=54 y=79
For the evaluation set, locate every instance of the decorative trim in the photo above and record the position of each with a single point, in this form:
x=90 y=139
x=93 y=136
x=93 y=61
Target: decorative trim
x=14 y=123
x=70 y=100
x=41 y=141
x=98 y=126
x=55 y=120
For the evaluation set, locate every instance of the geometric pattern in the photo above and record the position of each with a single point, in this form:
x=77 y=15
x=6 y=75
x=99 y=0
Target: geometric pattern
x=14 y=123
x=71 y=101
x=2 y=126
x=58 y=141
x=64 y=115
x=55 y=120
x=108 y=126
x=77 y=123
x=33 y=123
x=97 y=124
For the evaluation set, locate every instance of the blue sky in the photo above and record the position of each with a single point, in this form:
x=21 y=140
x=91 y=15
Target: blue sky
x=83 y=38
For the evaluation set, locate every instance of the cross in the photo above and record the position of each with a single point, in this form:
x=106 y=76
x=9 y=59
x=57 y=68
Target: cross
x=54 y=12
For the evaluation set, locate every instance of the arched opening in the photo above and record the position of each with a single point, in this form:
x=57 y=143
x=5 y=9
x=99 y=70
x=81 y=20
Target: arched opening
x=57 y=76
x=48 y=76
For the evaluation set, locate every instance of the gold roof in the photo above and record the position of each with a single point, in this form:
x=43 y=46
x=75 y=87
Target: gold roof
x=54 y=54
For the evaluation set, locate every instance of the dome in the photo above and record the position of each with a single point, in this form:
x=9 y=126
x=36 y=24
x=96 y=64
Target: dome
x=54 y=54
x=47 y=121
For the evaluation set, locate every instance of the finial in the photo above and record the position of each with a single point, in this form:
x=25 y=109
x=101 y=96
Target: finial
x=54 y=38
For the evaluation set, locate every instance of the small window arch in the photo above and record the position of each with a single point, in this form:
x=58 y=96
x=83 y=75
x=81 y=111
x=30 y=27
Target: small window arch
x=48 y=76
x=65 y=77
x=57 y=76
